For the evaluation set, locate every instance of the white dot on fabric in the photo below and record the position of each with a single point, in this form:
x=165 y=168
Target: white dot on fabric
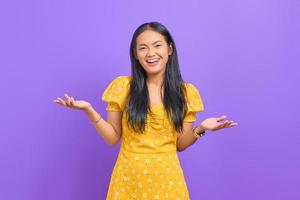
x=148 y=165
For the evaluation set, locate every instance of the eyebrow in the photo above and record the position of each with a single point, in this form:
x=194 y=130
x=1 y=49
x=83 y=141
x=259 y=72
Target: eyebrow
x=152 y=43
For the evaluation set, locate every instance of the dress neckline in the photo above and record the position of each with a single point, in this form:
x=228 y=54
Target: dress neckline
x=157 y=104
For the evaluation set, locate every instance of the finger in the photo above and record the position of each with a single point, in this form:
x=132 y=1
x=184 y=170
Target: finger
x=61 y=101
x=221 y=118
x=232 y=122
x=55 y=100
x=222 y=125
x=227 y=125
x=227 y=122
x=67 y=96
x=231 y=125
x=72 y=101
x=68 y=100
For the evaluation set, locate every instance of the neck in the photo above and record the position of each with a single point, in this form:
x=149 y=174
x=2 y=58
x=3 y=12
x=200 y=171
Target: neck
x=155 y=80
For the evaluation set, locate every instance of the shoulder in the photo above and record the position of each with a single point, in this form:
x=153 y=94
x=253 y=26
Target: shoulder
x=190 y=89
x=189 y=85
x=117 y=91
x=193 y=97
x=120 y=83
x=121 y=80
x=194 y=102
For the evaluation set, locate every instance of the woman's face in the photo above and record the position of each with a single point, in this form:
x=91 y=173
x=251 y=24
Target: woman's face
x=152 y=51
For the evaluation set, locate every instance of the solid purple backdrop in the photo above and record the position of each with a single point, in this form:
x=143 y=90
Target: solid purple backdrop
x=243 y=56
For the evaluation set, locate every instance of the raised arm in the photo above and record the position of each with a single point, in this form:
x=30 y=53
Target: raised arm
x=109 y=129
x=190 y=134
x=186 y=138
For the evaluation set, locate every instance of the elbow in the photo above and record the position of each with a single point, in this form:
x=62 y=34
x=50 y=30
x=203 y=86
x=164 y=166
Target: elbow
x=180 y=149
x=112 y=142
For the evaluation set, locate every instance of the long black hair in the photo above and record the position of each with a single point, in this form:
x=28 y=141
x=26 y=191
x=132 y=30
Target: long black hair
x=138 y=99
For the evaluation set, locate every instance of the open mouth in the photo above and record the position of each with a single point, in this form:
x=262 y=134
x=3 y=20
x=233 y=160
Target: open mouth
x=152 y=62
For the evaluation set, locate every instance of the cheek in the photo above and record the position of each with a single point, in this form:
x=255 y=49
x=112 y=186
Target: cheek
x=164 y=53
x=140 y=57
x=141 y=54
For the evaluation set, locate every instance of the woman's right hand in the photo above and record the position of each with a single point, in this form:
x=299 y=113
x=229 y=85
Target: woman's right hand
x=72 y=103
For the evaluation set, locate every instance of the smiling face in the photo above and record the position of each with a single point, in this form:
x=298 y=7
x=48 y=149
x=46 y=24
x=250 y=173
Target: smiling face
x=152 y=51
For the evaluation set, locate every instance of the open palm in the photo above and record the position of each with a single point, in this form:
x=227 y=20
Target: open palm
x=72 y=103
x=216 y=123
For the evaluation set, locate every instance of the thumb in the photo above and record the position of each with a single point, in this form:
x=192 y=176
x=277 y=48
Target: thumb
x=221 y=118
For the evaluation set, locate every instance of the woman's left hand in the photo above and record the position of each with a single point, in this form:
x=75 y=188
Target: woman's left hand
x=216 y=123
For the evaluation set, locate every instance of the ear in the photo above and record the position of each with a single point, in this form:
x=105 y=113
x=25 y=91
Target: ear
x=170 y=49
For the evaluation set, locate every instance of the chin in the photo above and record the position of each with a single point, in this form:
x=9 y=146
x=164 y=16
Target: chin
x=155 y=71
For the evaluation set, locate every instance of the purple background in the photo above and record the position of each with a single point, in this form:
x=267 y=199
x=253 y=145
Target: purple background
x=243 y=56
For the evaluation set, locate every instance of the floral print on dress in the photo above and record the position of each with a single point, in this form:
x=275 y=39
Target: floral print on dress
x=147 y=166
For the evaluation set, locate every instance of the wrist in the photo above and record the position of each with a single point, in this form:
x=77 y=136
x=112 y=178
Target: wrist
x=200 y=129
x=94 y=122
x=89 y=109
x=93 y=115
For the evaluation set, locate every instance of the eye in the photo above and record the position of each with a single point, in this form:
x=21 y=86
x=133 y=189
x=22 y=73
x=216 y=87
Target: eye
x=142 y=48
x=157 y=45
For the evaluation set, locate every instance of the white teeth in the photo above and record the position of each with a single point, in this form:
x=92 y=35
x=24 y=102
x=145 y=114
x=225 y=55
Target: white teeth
x=152 y=60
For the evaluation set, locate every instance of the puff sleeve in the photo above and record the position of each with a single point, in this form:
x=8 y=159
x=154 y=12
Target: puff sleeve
x=194 y=103
x=116 y=93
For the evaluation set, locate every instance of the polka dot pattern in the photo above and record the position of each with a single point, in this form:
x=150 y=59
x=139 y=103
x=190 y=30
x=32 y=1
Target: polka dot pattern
x=147 y=166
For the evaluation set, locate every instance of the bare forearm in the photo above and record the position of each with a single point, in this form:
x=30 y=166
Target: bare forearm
x=188 y=139
x=103 y=128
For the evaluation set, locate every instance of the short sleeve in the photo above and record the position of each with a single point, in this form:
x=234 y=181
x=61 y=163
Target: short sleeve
x=194 y=103
x=115 y=93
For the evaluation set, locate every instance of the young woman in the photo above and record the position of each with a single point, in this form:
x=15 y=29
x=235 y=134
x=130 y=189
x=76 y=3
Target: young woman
x=153 y=111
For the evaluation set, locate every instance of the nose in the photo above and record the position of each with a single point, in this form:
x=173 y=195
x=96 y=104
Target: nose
x=150 y=52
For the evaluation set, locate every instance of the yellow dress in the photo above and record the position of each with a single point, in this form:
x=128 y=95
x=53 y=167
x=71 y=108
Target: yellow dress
x=147 y=166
